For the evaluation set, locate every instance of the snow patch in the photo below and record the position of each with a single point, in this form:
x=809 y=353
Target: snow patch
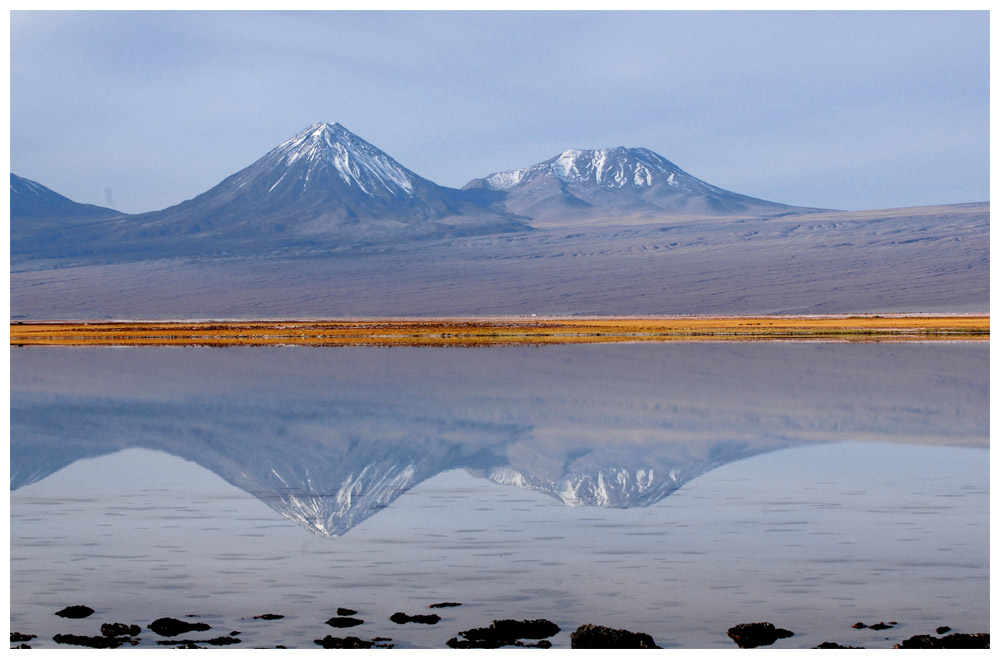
x=505 y=180
x=355 y=161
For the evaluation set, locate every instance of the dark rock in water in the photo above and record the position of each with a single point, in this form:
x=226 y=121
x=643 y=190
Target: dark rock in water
x=401 y=618
x=920 y=641
x=605 y=638
x=346 y=612
x=489 y=644
x=539 y=628
x=756 y=634
x=952 y=641
x=349 y=643
x=344 y=622
x=120 y=629
x=89 y=641
x=942 y=630
x=829 y=645
x=505 y=632
x=173 y=626
x=22 y=646
x=17 y=637
x=878 y=626
x=443 y=605
x=235 y=633
x=77 y=611
x=195 y=642
x=269 y=616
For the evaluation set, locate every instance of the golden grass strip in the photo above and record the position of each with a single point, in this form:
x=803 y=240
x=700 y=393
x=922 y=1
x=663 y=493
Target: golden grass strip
x=500 y=331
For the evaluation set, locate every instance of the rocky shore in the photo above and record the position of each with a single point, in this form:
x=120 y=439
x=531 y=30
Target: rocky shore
x=499 y=633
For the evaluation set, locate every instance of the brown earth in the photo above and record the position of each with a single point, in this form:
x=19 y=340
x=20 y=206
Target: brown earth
x=472 y=332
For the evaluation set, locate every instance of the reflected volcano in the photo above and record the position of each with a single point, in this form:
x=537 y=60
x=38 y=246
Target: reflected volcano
x=328 y=437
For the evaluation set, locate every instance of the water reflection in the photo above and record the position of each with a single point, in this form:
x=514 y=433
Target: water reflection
x=328 y=437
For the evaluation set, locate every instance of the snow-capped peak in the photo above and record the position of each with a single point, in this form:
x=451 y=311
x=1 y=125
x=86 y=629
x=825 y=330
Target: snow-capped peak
x=617 y=167
x=28 y=187
x=324 y=146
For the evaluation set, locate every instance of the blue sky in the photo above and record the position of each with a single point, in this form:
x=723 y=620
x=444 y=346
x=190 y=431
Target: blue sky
x=851 y=110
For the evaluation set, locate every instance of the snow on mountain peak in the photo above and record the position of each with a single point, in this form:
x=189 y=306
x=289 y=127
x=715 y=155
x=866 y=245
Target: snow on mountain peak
x=324 y=146
x=616 y=167
x=27 y=187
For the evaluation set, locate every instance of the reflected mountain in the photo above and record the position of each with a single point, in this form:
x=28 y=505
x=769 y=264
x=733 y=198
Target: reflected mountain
x=329 y=437
x=624 y=477
x=331 y=486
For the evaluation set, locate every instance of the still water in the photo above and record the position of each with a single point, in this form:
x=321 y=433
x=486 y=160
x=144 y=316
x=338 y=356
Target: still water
x=670 y=489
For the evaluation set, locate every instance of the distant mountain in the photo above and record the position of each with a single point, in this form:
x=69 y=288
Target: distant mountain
x=324 y=187
x=327 y=184
x=32 y=200
x=327 y=225
x=40 y=217
x=619 y=183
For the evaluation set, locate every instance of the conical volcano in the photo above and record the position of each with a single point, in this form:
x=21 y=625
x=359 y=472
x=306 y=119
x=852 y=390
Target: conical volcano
x=325 y=188
x=327 y=184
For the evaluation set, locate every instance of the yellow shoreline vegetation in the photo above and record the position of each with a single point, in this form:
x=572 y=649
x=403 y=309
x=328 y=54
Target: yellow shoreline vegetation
x=473 y=332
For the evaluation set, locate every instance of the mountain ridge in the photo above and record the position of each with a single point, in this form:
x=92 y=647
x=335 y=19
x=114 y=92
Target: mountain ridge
x=617 y=182
x=324 y=187
x=30 y=198
x=324 y=225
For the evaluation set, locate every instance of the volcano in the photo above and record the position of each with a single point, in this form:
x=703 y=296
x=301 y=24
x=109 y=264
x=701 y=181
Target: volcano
x=617 y=184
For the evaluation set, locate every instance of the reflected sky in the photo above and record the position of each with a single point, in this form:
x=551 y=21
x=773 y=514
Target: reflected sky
x=329 y=437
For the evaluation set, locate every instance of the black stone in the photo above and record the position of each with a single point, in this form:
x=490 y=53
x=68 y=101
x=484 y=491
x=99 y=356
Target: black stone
x=346 y=612
x=493 y=644
x=401 y=618
x=756 y=634
x=120 y=629
x=829 y=645
x=349 y=643
x=879 y=626
x=269 y=616
x=76 y=611
x=443 y=605
x=501 y=633
x=194 y=642
x=942 y=630
x=173 y=626
x=952 y=641
x=89 y=641
x=539 y=628
x=17 y=637
x=605 y=638
x=344 y=622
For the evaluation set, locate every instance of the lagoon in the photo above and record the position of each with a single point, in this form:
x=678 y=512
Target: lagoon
x=671 y=489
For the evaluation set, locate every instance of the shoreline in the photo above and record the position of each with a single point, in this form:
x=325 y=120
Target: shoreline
x=497 y=330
